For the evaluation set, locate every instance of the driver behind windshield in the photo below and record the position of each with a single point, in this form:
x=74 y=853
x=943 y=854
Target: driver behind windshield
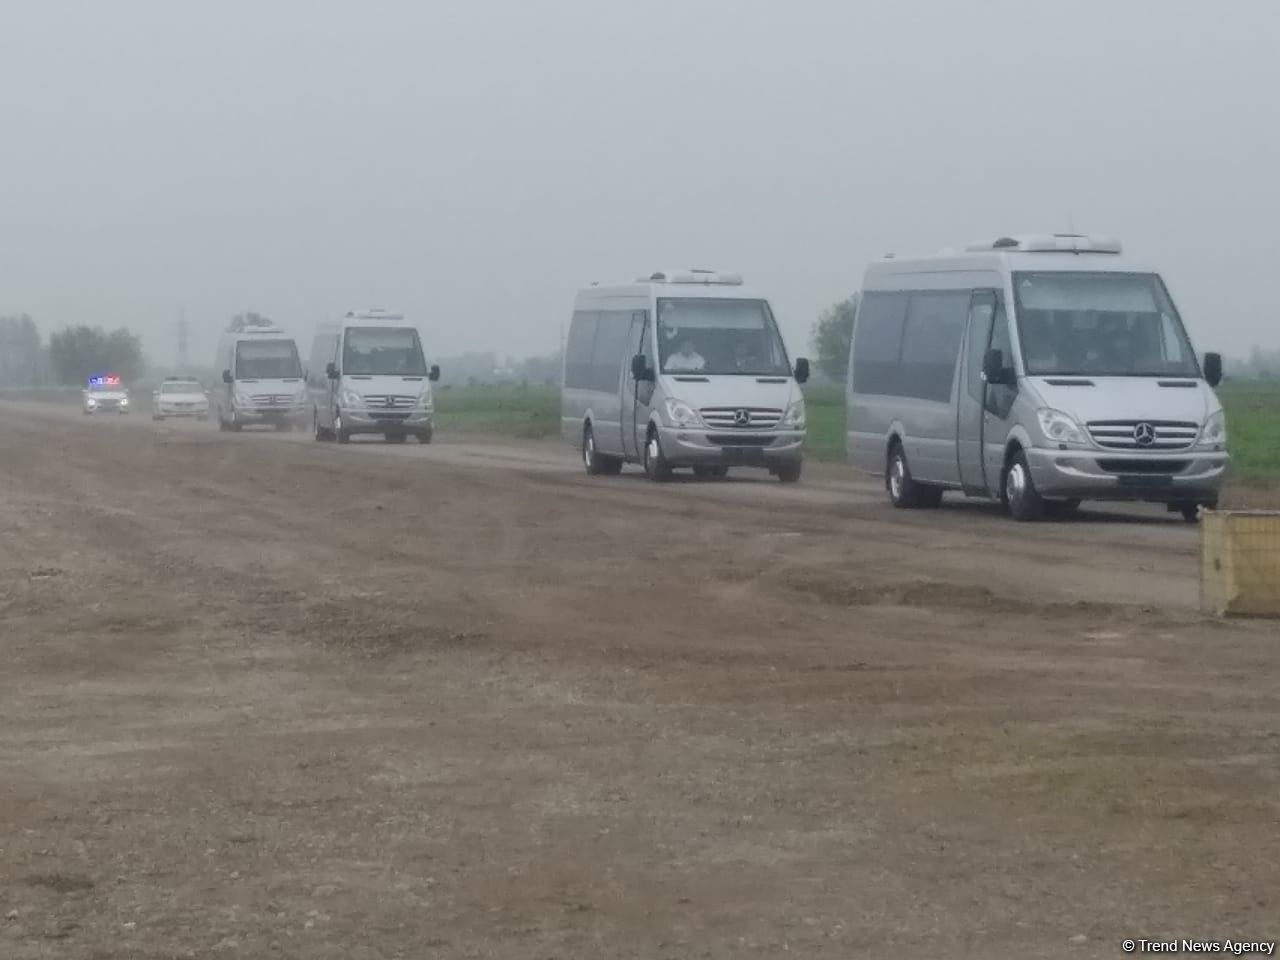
x=686 y=357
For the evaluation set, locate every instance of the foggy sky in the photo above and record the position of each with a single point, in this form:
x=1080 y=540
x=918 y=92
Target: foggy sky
x=475 y=162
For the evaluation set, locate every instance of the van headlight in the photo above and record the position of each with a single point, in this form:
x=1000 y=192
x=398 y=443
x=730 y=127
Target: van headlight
x=794 y=417
x=1214 y=433
x=680 y=414
x=1059 y=427
x=243 y=399
x=424 y=400
x=349 y=398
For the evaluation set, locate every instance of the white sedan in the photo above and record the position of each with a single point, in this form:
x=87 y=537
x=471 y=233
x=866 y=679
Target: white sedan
x=179 y=397
x=105 y=395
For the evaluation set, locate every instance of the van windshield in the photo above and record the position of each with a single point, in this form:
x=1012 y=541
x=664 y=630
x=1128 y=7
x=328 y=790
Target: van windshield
x=702 y=335
x=1100 y=324
x=267 y=360
x=382 y=351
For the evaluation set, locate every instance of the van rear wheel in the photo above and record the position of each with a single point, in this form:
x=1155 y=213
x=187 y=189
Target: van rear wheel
x=904 y=492
x=593 y=461
x=788 y=472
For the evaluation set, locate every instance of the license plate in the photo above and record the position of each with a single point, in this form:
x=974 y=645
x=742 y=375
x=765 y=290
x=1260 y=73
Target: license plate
x=751 y=454
x=1149 y=480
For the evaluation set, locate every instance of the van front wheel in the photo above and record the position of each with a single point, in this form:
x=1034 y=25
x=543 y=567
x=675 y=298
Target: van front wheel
x=593 y=461
x=656 y=467
x=1024 y=502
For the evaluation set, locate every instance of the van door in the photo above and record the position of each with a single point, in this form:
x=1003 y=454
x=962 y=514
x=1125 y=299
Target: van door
x=637 y=396
x=971 y=408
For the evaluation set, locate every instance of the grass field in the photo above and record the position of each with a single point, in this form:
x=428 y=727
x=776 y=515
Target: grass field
x=1253 y=420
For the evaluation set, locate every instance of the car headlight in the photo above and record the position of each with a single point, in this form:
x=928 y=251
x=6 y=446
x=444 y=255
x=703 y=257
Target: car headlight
x=680 y=414
x=124 y=401
x=1059 y=427
x=349 y=398
x=1214 y=433
x=795 y=416
x=92 y=403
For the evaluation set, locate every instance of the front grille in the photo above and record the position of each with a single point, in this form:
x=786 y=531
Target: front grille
x=1143 y=466
x=732 y=418
x=739 y=440
x=107 y=404
x=1130 y=434
x=271 y=399
x=390 y=401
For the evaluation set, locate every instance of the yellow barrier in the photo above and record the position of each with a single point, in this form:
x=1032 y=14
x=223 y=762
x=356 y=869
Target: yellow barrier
x=1240 y=563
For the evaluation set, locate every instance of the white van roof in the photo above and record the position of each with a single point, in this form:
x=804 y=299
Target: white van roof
x=680 y=282
x=1039 y=252
x=376 y=315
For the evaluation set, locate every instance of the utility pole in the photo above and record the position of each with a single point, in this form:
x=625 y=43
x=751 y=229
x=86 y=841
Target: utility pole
x=183 y=356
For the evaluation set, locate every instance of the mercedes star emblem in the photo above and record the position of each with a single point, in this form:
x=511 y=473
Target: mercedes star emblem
x=1144 y=434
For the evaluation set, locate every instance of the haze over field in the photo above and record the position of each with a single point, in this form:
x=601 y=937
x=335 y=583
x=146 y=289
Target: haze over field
x=473 y=163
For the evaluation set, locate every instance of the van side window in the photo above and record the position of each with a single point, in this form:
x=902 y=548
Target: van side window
x=1000 y=398
x=641 y=317
x=931 y=343
x=610 y=344
x=982 y=311
x=578 y=351
x=877 y=343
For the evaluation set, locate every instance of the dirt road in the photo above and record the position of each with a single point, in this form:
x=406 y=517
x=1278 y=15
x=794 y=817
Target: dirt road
x=261 y=697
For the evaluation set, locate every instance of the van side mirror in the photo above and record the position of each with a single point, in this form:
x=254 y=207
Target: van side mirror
x=802 y=370
x=331 y=370
x=1213 y=368
x=434 y=373
x=640 y=367
x=226 y=377
x=993 y=369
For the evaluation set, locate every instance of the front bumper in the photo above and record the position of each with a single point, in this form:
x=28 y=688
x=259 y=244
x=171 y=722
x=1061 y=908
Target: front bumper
x=198 y=412
x=698 y=447
x=1109 y=475
x=274 y=413
x=106 y=408
x=384 y=421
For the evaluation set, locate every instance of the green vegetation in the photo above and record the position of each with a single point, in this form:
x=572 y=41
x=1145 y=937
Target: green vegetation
x=1253 y=430
x=1253 y=420
x=512 y=410
x=824 y=408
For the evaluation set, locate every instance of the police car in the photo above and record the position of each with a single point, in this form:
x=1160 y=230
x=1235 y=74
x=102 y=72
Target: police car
x=179 y=397
x=105 y=394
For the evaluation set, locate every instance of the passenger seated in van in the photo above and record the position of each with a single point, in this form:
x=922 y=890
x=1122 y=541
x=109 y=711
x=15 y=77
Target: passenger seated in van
x=745 y=359
x=686 y=358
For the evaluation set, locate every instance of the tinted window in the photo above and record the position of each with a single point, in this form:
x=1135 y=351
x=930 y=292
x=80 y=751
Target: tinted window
x=611 y=343
x=983 y=308
x=931 y=344
x=877 y=342
x=267 y=359
x=383 y=351
x=1100 y=324
x=577 y=354
x=701 y=335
